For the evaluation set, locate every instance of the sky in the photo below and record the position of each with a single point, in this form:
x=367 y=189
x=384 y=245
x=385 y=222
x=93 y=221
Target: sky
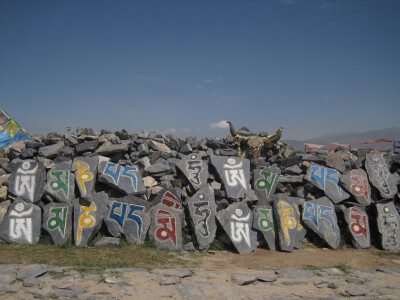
x=184 y=67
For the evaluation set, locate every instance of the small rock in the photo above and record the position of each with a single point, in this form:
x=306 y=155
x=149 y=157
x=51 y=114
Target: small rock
x=243 y=279
x=31 y=272
x=107 y=242
x=170 y=280
x=181 y=273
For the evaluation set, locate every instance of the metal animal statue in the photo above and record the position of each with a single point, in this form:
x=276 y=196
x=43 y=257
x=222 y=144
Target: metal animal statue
x=251 y=146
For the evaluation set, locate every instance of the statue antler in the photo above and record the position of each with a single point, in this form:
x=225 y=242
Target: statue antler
x=273 y=138
x=232 y=129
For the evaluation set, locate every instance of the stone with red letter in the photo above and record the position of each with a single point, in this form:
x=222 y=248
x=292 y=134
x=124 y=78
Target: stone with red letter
x=357 y=224
x=356 y=183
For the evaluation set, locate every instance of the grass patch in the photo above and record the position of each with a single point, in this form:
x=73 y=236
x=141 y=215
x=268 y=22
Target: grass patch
x=344 y=267
x=91 y=259
x=387 y=254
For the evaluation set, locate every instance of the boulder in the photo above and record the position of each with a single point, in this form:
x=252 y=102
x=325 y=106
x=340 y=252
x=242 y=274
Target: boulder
x=388 y=225
x=357 y=224
x=265 y=182
x=85 y=169
x=356 y=183
x=60 y=183
x=195 y=170
x=57 y=221
x=264 y=223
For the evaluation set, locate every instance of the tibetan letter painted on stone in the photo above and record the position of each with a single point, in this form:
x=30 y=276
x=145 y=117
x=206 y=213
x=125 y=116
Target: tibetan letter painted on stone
x=264 y=222
x=327 y=180
x=85 y=175
x=28 y=181
x=166 y=227
x=379 y=175
x=235 y=175
x=356 y=182
x=88 y=218
x=265 y=182
x=202 y=209
x=57 y=221
x=357 y=225
x=389 y=225
x=288 y=225
x=319 y=215
x=169 y=199
x=60 y=183
x=126 y=179
x=22 y=224
x=237 y=220
x=195 y=169
x=129 y=216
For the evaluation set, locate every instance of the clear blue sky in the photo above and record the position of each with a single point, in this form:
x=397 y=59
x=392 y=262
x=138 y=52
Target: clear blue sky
x=313 y=67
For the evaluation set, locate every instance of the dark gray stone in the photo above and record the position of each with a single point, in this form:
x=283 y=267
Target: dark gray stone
x=107 y=242
x=88 y=218
x=291 y=179
x=22 y=224
x=237 y=221
x=166 y=227
x=290 y=231
x=189 y=247
x=190 y=291
x=379 y=175
x=85 y=169
x=175 y=272
x=202 y=209
x=88 y=146
x=319 y=215
x=28 y=180
x=169 y=198
x=264 y=222
x=290 y=161
x=126 y=179
x=30 y=272
x=195 y=169
x=292 y=170
x=109 y=149
x=235 y=175
x=356 y=183
x=60 y=183
x=389 y=270
x=327 y=180
x=129 y=216
x=51 y=151
x=265 y=182
x=242 y=279
x=28 y=153
x=295 y=273
x=57 y=221
x=357 y=224
x=388 y=225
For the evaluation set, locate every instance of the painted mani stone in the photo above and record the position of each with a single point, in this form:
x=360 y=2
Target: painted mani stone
x=166 y=227
x=195 y=170
x=22 y=224
x=356 y=183
x=319 y=215
x=237 y=221
x=379 y=175
x=327 y=180
x=202 y=209
x=389 y=225
x=88 y=218
x=264 y=223
x=85 y=169
x=57 y=221
x=265 y=182
x=290 y=231
x=126 y=179
x=357 y=224
x=60 y=183
x=129 y=216
x=28 y=181
x=168 y=198
x=235 y=175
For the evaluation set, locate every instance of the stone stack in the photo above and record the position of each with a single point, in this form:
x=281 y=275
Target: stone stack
x=170 y=189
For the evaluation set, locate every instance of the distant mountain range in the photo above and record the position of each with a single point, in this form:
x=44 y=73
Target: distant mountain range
x=391 y=133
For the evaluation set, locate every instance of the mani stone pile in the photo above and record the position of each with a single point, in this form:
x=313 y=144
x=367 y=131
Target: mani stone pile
x=170 y=190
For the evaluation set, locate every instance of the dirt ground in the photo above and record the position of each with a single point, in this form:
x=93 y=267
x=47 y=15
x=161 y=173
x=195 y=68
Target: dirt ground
x=262 y=259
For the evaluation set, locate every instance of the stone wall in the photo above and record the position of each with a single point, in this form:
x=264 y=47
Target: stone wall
x=172 y=189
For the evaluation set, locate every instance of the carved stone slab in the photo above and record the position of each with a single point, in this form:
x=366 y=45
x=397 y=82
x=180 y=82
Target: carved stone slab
x=319 y=215
x=202 y=209
x=60 y=183
x=57 y=221
x=356 y=183
x=126 y=179
x=265 y=182
x=195 y=169
x=129 y=216
x=169 y=198
x=389 y=225
x=88 y=218
x=85 y=169
x=22 y=223
x=28 y=181
x=379 y=175
x=327 y=180
x=235 y=175
x=166 y=227
x=237 y=221
x=357 y=224
x=290 y=231
x=264 y=222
